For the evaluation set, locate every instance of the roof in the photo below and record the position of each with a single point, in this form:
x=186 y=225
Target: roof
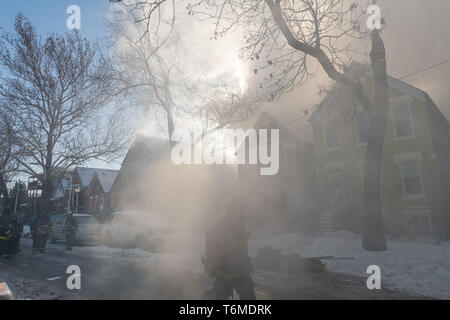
x=364 y=69
x=87 y=174
x=65 y=183
x=107 y=178
x=147 y=148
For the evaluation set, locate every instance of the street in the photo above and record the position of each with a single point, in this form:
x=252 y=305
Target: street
x=111 y=273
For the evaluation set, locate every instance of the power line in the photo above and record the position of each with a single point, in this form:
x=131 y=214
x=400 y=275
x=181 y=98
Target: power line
x=423 y=70
x=400 y=78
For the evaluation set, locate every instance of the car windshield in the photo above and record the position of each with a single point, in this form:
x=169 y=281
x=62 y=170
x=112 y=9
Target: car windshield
x=85 y=220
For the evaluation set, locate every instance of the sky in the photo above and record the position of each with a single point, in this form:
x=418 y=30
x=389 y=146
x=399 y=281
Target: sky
x=51 y=16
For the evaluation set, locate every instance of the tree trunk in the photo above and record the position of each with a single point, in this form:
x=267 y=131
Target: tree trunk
x=47 y=190
x=170 y=126
x=3 y=190
x=373 y=229
x=47 y=186
x=169 y=104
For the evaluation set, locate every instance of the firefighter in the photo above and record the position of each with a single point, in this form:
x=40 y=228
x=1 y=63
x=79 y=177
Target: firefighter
x=6 y=233
x=44 y=230
x=41 y=229
x=70 y=226
x=17 y=230
x=226 y=257
x=34 y=231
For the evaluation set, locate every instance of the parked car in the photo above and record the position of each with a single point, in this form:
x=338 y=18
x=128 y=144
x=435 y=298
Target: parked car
x=89 y=229
x=144 y=230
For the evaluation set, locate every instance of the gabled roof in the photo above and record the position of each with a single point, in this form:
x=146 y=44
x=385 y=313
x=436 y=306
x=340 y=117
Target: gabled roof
x=107 y=179
x=87 y=174
x=339 y=90
x=147 y=148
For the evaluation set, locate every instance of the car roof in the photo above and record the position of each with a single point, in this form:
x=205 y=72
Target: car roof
x=74 y=214
x=153 y=217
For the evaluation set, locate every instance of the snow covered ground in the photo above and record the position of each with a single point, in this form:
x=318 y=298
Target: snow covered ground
x=187 y=258
x=418 y=268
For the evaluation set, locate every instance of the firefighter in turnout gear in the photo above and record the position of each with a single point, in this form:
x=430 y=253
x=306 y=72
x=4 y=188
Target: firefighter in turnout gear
x=17 y=230
x=69 y=229
x=226 y=256
x=41 y=230
x=6 y=233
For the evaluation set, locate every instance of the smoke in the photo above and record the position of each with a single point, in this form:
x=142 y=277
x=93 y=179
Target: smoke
x=193 y=197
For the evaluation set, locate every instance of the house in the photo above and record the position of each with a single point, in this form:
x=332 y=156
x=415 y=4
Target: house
x=59 y=198
x=415 y=171
x=192 y=195
x=286 y=201
x=81 y=180
x=98 y=193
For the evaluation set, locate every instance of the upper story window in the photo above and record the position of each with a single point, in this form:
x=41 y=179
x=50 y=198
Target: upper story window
x=362 y=126
x=331 y=134
x=401 y=116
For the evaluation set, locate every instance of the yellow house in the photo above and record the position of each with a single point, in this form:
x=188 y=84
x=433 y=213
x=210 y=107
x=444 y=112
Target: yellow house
x=415 y=162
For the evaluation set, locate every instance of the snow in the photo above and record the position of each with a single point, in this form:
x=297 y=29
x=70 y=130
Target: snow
x=418 y=268
x=107 y=179
x=186 y=258
x=26 y=231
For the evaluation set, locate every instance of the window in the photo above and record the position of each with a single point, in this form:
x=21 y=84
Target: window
x=331 y=138
x=411 y=178
x=101 y=203
x=362 y=126
x=419 y=223
x=402 y=120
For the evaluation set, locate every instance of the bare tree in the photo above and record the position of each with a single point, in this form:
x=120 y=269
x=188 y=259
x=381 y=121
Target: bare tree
x=8 y=165
x=148 y=70
x=56 y=93
x=225 y=107
x=286 y=34
x=139 y=72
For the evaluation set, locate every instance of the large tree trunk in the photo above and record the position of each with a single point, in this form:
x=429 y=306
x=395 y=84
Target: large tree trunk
x=47 y=186
x=47 y=190
x=373 y=230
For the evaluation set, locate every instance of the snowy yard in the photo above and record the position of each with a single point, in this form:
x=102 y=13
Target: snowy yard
x=418 y=268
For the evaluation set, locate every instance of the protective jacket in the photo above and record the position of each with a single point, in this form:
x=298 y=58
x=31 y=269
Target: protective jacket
x=6 y=227
x=70 y=225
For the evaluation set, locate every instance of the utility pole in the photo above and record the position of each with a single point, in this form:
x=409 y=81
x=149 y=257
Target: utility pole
x=70 y=192
x=17 y=197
